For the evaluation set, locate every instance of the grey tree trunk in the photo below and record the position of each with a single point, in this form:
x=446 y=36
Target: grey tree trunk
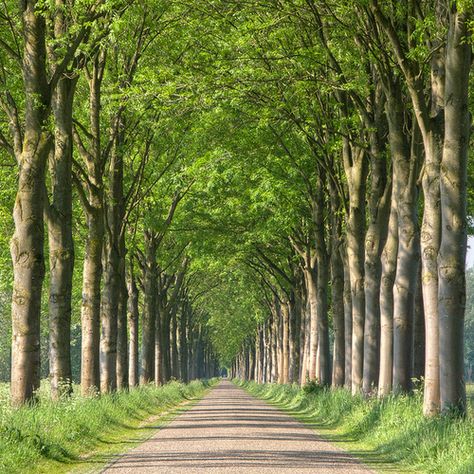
x=311 y=286
x=452 y=254
x=405 y=174
x=285 y=342
x=347 y=321
x=419 y=333
x=337 y=292
x=92 y=200
x=322 y=279
x=389 y=267
x=27 y=243
x=379 y=205
x=133 y=317
x=61 y=245
x=147 y=373
x=274 y=336
x=174 y=347
x=122 y=332
x=355 y=166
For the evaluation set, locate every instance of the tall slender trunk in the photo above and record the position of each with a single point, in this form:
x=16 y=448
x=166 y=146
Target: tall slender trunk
x=347 y=320
x=174 y=347
x=419 y=332
x=160 y=344
x=183 y=343
x=163 y=360
x=274 y=336
x=322 y=279
x=90 y=310
x=311 y=286
x=132 y=328
x=389 y=266
x=28 y=240
x=405 y=173
x=285 y=350
x=379 y=205
x=355 y=166
x=150 y=276
x=279 y=340
x=92 y=199
x=452 y=254
x=122 y=333
x=61 y=244
x=337 y=292
x=295 y=327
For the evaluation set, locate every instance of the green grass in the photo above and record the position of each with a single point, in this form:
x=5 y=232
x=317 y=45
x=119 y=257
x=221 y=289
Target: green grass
x=389 y=434
x=57 y=436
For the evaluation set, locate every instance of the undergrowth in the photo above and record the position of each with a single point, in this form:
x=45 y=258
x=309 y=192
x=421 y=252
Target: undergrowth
x=64 y=430
x=382 y=431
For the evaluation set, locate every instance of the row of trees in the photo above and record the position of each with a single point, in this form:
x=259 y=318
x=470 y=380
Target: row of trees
x=270 y=175
x=89 y=135
x=379 y=107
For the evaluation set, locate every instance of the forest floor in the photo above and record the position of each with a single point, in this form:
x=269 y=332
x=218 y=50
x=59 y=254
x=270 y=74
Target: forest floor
x=230 y=431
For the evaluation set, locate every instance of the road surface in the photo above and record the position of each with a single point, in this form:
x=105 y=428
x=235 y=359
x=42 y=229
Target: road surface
x=229 y=431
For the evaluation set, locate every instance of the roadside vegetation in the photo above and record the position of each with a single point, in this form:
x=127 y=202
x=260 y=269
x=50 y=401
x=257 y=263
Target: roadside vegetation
x=52 y=435
x=390 y=434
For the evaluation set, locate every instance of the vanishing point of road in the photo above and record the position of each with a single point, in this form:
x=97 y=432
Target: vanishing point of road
x=229 y=431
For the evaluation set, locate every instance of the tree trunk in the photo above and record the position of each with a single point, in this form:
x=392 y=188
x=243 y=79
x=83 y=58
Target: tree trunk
x=419 y=333
x=147 y=373
x=183 y=344
x=28 y=240
x=122 y=333
x=93 y=202
x=389 y=266
x=322 y=279
x=174 y=347
x=355 y=166
x=311 y=285
x=132 y=328
x=452 y=254
x=274 y=354
x=61 y=244
x=337 y=292
x=405 y=173
x=379 y=205
x=285 y=322
x=347 y=321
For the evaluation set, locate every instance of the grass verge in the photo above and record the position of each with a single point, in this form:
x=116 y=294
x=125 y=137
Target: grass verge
x=82 y=433
x=389 y=435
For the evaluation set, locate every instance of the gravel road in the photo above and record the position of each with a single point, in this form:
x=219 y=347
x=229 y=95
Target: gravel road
x=229 y=431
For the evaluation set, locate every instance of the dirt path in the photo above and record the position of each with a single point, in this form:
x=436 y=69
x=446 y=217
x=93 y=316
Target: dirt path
x=229 y=431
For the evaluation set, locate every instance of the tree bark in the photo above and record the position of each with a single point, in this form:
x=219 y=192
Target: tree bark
x=61 y=244
x=375 y=236
x=355 y=166
x=337 y=292
x=285 y=322
x=405 y=174
x=419 y=333
x=311 y=286
x=452 y=254
x=133 y=317
x=27 y=243
x=389 y=266
x=122 y=333
x=150 y=276
x=347 y=321
x=322 y=278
